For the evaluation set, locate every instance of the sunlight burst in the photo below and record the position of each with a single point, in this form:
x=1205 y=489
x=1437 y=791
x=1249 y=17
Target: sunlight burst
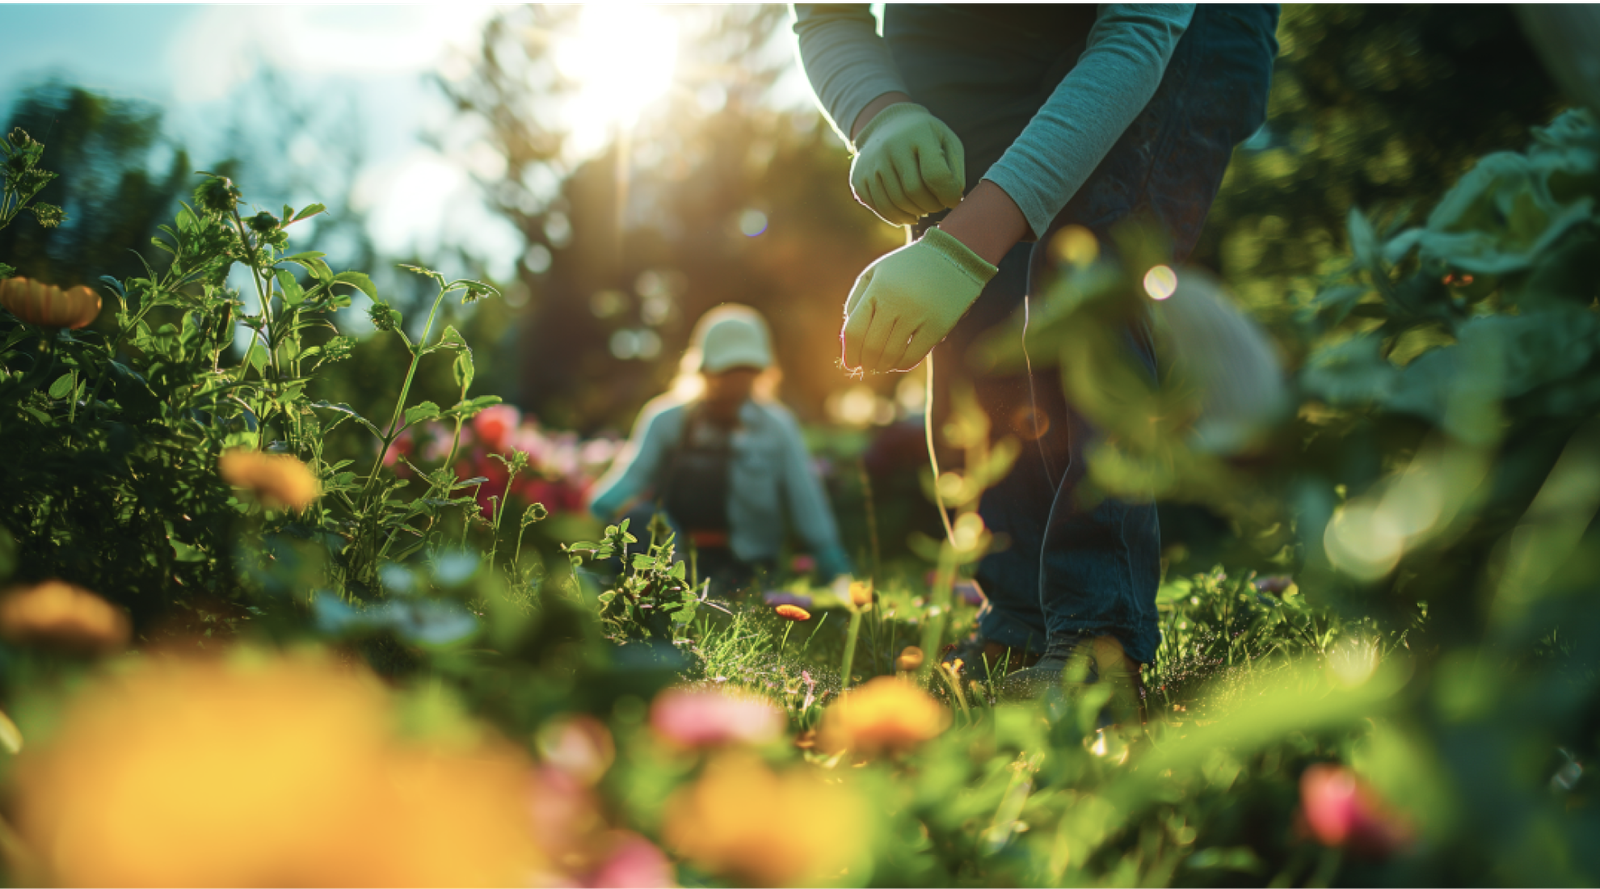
x=622 y=58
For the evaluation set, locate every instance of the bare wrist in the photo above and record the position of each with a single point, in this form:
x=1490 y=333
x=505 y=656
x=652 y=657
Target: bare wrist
x=988 y=222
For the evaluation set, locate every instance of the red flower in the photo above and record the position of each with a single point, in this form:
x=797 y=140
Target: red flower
x=1343 y=811
x=495 y=425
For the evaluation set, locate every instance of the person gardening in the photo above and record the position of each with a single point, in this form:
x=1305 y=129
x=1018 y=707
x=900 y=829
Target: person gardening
x=724 y=463
x=988 y=129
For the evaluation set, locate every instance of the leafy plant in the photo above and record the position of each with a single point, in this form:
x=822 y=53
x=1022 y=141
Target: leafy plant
x=653 y=597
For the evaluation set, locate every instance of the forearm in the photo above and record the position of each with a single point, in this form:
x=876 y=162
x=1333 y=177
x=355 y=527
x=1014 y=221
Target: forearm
x=1094 y=104
x=846 y=62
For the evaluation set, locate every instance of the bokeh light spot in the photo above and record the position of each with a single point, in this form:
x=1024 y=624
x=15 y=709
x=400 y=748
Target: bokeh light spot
x=1075 y=246
x=752 y=223
x=1160 y=282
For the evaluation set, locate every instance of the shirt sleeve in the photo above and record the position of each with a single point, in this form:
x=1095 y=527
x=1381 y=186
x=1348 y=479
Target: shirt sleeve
x=1121 y=66
x=808 y=503
x=845 y=60
x=635 y=468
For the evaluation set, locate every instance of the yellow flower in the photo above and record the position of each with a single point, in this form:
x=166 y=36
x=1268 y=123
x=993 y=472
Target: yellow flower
x=278 y=771
x=882 y=715
x=909 y=659
x=748 y=824
x=793 y=612
x=48 y=305
x=279 y=480
x=861 y=593
x=58 y=614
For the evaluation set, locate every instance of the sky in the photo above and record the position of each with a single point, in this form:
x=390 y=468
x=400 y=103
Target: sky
x=193 y=61
x=196 y=61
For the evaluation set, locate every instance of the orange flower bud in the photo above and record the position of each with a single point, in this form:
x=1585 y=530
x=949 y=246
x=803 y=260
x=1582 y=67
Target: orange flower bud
x=861 y=593
x=793 y=612
x=58 y=614
x=885 y=714
x=278 y=479
x=909 y=659
x=48 y=305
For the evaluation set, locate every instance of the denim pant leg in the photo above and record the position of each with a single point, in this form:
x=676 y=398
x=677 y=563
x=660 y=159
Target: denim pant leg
x=1017 y=507
x=1099 y=563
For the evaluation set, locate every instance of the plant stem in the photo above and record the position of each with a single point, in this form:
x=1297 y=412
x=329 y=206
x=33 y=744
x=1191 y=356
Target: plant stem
x=392 y=432
x=938 y=608
x=849 y=649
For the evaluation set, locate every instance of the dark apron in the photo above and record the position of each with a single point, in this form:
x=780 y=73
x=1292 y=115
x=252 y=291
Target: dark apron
x=695 y=482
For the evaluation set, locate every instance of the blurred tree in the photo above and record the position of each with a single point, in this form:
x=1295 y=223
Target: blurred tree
x=1373 y=106
x=119 y=177
x=714 y=197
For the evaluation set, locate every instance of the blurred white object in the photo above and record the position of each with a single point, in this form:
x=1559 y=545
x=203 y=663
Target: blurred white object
x=1227 y=357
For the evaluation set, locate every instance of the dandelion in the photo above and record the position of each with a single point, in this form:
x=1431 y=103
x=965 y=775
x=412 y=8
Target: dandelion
x=726 y=822
x=1338 y=809
x=265 y=771
x=793 y=612
x=909 y=660
x=882 y=715
x=714 y=717
x=279 y=480
x=60 y=615
x=48 y=305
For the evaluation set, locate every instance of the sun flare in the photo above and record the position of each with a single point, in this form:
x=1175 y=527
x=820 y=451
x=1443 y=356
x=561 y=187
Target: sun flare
x=622 y=58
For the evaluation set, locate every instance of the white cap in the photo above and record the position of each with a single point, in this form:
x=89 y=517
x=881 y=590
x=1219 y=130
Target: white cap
x=730 y=336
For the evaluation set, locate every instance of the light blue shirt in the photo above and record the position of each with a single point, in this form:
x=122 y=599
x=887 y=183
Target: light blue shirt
x=771 y=475
x=1127 y=52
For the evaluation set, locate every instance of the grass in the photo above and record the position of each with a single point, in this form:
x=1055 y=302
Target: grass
x=1216 y=629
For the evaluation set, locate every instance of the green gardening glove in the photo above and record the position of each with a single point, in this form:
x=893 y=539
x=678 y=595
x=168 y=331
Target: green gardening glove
x=908 y=164
x=909 y=300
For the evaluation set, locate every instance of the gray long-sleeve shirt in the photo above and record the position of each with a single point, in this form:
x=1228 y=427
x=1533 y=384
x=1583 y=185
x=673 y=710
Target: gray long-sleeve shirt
x=771 y=469
x=1120 y=68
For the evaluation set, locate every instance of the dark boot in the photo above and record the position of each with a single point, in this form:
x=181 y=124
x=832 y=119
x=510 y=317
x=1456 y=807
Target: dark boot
x=983 y=658
x=1075 y=662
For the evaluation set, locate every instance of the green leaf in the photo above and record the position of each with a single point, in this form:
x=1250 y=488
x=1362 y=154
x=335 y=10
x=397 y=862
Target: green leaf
x=313 y=264
x=424 y=411
x=451 y=339
x=470 y=408
x=293 y=294
x=309 y=211
x=464 y=370
x=1363 y=241
x=64 y=385
x=358 y=280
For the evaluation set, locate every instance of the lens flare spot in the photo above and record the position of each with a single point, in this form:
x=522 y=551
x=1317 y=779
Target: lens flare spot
x=752 y=223
x=1075 y=246
x=1160 y=282
x=1363 y=541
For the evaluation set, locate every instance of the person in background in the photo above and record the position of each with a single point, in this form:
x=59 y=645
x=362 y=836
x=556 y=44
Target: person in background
x=723 y=462
x=1022 y=120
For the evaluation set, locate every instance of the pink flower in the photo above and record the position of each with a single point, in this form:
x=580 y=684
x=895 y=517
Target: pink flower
x=803 y=564
x=495 y=425
x=632 y=862
x=707 y=718
x=1343 y=811
x=578 y=745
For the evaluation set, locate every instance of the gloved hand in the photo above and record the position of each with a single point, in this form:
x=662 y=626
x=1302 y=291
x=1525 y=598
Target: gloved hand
x=908 y=164
x=909 y=300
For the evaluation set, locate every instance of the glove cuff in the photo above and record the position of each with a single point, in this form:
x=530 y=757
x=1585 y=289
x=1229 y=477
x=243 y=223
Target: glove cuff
x=882 y=119
x=959 y=255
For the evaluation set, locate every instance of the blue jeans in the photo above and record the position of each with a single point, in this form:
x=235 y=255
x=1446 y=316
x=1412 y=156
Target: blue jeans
x=1071 y=569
